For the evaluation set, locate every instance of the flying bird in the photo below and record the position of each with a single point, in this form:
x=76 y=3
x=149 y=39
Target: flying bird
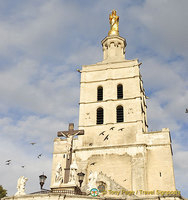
x=22 y=166
x=112 y=128
x=39 y=155
x=93 y=163
x=8 y=163
x=120 y=129
x=125 y=180
x=106 y=138
x=102 y=133
x=186 y=111
x=32 y=143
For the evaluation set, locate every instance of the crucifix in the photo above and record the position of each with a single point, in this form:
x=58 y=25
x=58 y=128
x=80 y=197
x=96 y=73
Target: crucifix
x=69 y=135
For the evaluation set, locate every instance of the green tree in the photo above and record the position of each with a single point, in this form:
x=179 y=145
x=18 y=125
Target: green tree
x=3 y=192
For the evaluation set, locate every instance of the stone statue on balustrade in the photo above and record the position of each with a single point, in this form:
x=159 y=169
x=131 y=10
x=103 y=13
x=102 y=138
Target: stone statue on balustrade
x=21 y=186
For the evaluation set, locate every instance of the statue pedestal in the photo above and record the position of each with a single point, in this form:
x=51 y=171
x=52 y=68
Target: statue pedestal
x=113 y=49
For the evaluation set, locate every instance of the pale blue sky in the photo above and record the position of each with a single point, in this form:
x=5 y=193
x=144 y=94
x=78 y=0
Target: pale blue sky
x=42 y=43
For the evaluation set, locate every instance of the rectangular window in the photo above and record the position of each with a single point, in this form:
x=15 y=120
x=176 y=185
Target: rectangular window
x=99 y=116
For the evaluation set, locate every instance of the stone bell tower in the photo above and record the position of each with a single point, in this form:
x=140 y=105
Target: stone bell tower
x=113 y=116
x=113 y=145
x=112 y=94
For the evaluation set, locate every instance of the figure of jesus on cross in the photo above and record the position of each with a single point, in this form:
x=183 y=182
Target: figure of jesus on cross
x=69 y=135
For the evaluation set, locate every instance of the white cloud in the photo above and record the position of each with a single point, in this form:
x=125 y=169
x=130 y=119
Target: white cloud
x=37 y=89
x=15 y=145
x=168 y=87
x=166 y=25
x=33 y=167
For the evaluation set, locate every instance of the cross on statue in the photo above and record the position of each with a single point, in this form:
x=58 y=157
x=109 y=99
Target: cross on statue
x=69 y=135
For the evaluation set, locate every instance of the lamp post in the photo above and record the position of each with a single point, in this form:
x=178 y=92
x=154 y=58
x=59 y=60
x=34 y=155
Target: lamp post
x=42 y=179
x=81 y=178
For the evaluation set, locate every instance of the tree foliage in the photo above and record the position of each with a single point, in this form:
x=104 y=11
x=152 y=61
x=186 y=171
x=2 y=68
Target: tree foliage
x=3 y=192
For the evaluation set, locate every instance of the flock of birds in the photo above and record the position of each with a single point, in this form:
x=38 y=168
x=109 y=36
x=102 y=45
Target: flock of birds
x=8 y=162
x=107 y=136
x=121 y=129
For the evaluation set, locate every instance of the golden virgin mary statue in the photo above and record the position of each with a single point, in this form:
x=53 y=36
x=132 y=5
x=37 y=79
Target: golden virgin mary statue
x=114 y=23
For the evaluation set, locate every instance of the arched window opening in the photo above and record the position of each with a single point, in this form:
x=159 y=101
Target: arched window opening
x=120 y=91
x=99 y=93
x=100 y=116
x=119 y=112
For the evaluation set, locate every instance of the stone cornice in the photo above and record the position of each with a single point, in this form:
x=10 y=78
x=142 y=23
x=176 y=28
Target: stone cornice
x=130 y=98
x=124 y=61
x=110 y=79
x=119 y=146
x=107 y=68
x=134 y=121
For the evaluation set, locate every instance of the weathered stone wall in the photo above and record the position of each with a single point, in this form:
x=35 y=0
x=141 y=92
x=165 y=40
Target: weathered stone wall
x=160 y=168
x=124 y=164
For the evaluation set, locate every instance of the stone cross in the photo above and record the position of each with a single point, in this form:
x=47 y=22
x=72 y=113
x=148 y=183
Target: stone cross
x=70 y=134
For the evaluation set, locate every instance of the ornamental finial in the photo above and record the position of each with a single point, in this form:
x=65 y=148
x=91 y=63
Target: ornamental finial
x=114 y=23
